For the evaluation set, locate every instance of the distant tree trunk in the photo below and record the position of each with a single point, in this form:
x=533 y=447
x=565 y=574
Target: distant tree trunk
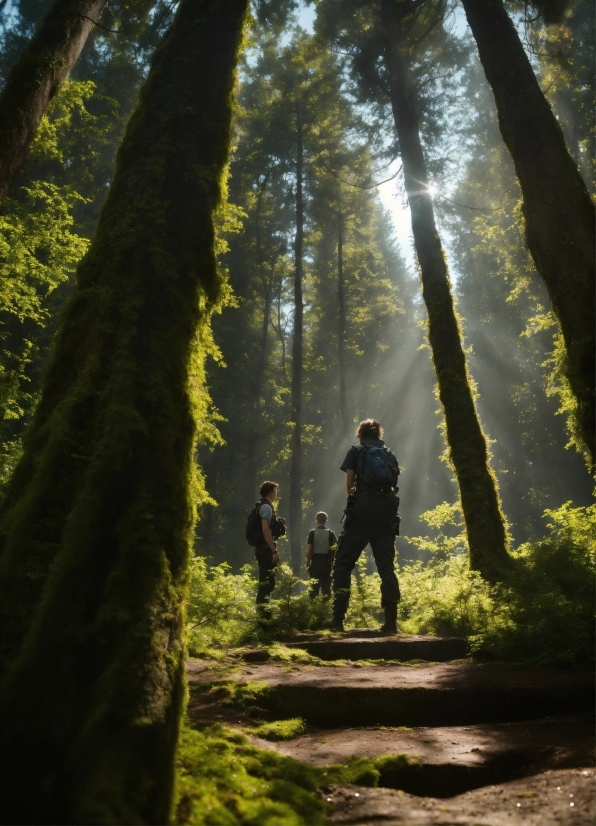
x=341 y=317
x=558 y=211
x=260 y=363
x=295 y=493
x=467 y=444
x=36 y=77
x=97 y=523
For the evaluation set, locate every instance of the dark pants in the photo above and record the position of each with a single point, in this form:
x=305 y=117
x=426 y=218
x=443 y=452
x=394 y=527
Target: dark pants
x=320 y=569
x=264 y=557
x=352 y=542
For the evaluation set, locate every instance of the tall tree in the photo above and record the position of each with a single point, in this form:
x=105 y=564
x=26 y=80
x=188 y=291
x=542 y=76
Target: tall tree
x=96 y=524
x=397 y=28
x=508 y=325
x=37 y=76
x=558 y=211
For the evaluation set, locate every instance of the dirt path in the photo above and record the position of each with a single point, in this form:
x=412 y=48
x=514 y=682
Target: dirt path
x=476 y=740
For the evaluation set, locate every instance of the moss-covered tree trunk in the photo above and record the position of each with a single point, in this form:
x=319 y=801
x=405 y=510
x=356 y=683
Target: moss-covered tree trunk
x=96 y=528
x=558 y=211
x=295 y=497
x=36 y=77
x=467 y=444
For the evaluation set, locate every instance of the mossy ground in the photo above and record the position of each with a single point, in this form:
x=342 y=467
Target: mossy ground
x=222 y=779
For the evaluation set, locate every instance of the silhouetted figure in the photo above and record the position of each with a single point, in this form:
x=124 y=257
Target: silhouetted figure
x=371 y=517
x=320 y=549
x=263 y=528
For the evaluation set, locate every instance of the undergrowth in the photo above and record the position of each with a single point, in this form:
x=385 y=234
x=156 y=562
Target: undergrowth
x=542 y=612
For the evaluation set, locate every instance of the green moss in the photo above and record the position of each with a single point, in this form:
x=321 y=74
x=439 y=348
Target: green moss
x=280 y=729
x=281 y=653
x=217 y=769
x=243 y=694
x=220 y=782
x=97 y=523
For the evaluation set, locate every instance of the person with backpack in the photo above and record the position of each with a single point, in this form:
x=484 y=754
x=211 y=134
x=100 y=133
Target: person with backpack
x=263 y=528
x=320 y=548
x=371 y=517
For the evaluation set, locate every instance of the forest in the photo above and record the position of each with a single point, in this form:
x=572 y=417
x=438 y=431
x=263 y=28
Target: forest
x=231 y=231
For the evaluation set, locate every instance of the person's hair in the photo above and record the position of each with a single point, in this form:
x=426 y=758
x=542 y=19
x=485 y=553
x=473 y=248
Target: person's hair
x=321 y=517
x=369 y=428
x=267 y=487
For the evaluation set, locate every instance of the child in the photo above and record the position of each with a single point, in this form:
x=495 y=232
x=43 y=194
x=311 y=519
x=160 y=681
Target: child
x=320 y=549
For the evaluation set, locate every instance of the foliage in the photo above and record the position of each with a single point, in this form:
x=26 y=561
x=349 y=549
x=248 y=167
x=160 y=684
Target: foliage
x=221 y=609
x=40 y=246
x=543 y=611
x=220 y=606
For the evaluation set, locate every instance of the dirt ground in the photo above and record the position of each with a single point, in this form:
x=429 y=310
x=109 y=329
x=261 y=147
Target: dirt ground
x=486 y=745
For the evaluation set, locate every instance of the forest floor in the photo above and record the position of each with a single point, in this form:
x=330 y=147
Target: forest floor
x=479 y=744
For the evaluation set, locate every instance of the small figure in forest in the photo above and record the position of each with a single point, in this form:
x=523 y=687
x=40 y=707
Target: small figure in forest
x=371 y=516
x=320 y=549
x=263 y=528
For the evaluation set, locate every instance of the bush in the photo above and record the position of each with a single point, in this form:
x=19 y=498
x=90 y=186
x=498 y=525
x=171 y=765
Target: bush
x=220 y=608
x=543 y=611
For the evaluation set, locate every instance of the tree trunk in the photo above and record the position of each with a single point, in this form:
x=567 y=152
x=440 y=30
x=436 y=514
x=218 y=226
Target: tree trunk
x=341 y=317
x=480 y=502
x=295 y=504
x=258 y=368
x=97 y=524
x=36 y=77
x=558 y=212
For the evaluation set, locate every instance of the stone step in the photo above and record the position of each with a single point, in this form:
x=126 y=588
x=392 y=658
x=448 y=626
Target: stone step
x=551 y=798
x=443 y=694
x=402 y=648
x=445 y=761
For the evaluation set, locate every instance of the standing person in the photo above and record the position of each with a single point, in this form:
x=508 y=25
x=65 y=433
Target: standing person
x=266 y=549
x=320 y=548
x=371 y=480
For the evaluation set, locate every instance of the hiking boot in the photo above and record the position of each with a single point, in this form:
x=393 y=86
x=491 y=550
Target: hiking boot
x=336 y=624
x=389 y=628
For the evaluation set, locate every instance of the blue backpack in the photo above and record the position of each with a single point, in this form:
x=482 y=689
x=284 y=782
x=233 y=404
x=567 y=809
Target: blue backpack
x=377 y=468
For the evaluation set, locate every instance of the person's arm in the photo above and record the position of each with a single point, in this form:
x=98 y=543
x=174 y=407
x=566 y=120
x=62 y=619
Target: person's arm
x=350 y=480
x=266 y=528
x=309 y=548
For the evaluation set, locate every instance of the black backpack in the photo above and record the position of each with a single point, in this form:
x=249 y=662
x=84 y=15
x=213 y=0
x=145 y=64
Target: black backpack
x=377 y=469
x=254 y=533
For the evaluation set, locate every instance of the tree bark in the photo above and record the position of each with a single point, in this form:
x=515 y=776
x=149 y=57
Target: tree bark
x=97 y=524
x=558 y=211
x=36 y=77
x=295 y=493
x=341 y=319
x=467 y=444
